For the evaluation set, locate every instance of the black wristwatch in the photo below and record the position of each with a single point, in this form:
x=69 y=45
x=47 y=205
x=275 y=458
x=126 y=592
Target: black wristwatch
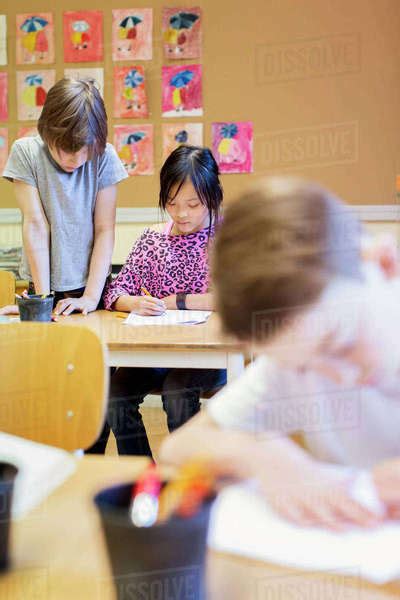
x=181 y=301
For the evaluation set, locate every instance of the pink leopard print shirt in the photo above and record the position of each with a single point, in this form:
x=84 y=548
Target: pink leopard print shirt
x=164 y=264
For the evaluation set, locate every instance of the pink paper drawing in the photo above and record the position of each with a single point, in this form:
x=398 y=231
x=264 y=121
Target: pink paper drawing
x=182 y=91
x=132 y=34
x=129 y=92
x=134 y=144
x=35 y=38
x=3 y=96
x=32 y=88
x=232 y=145
x=176 y=134
x=181 y=32
x=3 y=147
x=96 y=73
x=27 y=132
x=83 y=36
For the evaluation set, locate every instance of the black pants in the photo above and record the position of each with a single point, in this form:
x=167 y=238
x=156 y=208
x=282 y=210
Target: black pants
x=180 y=392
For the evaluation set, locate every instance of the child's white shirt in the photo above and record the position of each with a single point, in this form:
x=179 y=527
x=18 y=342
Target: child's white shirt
x=343 y=423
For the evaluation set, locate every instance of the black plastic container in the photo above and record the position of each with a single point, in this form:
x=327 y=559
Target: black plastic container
x=35 y=308
x=164 y=561
x=8 y=473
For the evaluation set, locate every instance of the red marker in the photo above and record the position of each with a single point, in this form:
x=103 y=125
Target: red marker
x=144 y=502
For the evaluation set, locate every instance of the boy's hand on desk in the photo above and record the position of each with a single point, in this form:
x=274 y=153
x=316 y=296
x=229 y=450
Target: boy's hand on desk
x=316 y=496
x=149 y=306
x=84 y=304
x=10 y=309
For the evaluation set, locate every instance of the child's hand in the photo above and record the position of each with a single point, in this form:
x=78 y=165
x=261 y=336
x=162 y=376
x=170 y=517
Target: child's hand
x=316 y=496
x=149 y=306
x=84 y=304
x=386 y=477
x=10 y=309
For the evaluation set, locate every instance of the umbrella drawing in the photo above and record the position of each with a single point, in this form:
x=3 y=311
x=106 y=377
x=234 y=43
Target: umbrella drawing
x=34 y=80
x=175 y=34
x=79 y=35
x=34 y=24
x=35 y=39
x=132 y=80
x=229 y=149
x=80 y=26
x=34 y=94
x=178 y=82
x=183 y=20
x=127 y=27
x=128 y=153
x=181 y=137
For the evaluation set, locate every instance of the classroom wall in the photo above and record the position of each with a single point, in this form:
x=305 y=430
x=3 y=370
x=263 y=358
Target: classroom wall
x=319 y=79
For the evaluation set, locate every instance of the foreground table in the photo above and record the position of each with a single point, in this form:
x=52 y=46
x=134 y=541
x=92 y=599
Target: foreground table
x=174 y=346
x=59 y=553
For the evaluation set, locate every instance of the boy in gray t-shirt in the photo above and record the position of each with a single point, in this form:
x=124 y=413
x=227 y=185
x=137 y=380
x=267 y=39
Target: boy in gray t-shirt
x=65 y=184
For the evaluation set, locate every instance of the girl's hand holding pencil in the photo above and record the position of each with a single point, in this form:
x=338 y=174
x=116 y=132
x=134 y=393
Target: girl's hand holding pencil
x=146 y=305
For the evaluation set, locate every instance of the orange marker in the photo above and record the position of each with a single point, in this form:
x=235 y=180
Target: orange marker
x=143 y=289
x=184 y=495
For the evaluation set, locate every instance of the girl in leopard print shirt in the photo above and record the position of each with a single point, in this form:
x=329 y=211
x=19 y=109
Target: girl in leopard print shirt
x=172 y=264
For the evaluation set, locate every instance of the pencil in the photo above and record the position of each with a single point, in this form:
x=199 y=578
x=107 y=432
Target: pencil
x=143 y=289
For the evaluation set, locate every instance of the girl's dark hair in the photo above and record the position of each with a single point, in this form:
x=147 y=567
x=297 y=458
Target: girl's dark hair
x=195 y=164
x=74 y=116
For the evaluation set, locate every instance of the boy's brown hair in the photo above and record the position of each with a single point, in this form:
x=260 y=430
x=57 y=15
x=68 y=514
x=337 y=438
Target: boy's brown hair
x=279 y=245
x=74 y=116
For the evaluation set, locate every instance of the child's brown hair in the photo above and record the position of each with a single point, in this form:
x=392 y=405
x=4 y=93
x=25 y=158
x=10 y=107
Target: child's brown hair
x=279 y=245
x=74 y=116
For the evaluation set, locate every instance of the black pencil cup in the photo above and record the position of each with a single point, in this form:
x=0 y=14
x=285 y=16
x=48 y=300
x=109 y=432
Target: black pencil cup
x=8 y=473
x=35 y=308
x=163 y=561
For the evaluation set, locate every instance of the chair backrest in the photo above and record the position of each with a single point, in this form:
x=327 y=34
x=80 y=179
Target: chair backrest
x=7 y=288
x=53 y=383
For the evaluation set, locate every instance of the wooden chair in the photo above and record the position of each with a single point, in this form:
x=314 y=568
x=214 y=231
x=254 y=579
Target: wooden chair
x=53 y=383
x=7 y=288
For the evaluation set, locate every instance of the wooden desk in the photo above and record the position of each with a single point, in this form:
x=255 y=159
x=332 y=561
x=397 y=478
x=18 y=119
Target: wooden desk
x=59 y=554
x=177 y=346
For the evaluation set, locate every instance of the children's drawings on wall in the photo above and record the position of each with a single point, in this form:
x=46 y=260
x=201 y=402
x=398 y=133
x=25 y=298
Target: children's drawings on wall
x=35 y=38
x=176 y=134
x=32 y=88
x=181 y=29
x=83 y=36
x=129 y=92
x=3 y=147
x=182 y=91
x=3 y=40
x=96 y=73
x=232 y=145
x=134 y=144
x=132 y=34
x=3 y=96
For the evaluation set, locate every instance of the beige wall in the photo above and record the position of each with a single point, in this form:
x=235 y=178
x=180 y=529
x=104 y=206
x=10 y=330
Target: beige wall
x=320 y=79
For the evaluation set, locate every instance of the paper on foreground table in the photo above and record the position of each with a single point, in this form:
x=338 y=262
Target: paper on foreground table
x=41 y=469
x=242 y=523
x=171 y=317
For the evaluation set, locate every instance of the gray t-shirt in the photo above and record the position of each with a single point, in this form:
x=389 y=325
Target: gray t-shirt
x=68 y=201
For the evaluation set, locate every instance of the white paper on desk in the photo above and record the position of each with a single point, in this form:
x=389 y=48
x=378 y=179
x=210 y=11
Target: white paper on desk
x=242 y=523
x=171 y=317
x=41 y=469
